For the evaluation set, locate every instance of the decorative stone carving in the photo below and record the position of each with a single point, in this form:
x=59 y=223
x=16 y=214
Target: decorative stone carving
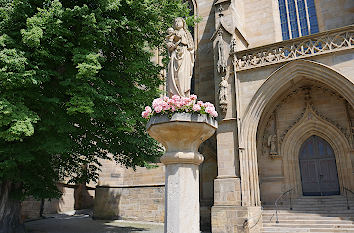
x=321 y=43
x=223 y=93
x=180 y=45
x=270 y=138
x=222 y=59
x=233 y=46
x=309 y=105
x=272 y=144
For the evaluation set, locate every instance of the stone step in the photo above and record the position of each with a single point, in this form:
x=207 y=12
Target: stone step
x=296 y=212
x=302 y=217
x=310 y=214
x=314 y=211
x=306 y=221
x=317 y=230
x=344 y=204
x=319 y=210
x=316 y=200
x=314 y=208
x=308 y=225
x=318 y=203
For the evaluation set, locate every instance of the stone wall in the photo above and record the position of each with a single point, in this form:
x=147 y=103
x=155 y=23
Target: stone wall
x=334 y=14
x=125 y=193
x=30 y=209
x=131 y=203
x=204 y=64
x=139 y=194
x=73 y=198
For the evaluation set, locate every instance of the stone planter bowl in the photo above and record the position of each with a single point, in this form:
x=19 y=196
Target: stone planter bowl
x=181 y=135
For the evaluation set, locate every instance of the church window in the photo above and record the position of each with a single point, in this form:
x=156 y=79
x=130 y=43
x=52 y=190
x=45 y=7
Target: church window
x=297 y=18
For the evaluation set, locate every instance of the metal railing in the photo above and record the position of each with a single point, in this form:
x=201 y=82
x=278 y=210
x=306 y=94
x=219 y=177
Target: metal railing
x=346 y=195
x=247 y=221
x=279 y=198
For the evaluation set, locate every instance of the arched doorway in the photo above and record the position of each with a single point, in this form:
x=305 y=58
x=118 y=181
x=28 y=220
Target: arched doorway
x=318 y=168
x=267 y=95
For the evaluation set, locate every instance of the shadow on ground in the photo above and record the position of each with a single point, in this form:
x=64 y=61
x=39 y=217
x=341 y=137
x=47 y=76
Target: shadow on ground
x=85 y=224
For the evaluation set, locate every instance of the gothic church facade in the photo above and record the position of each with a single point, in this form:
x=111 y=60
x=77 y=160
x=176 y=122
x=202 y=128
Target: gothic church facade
x=286 y=120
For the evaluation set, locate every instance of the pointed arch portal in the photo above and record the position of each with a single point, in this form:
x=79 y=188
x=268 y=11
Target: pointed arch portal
x=268 y=93
x=318 y=168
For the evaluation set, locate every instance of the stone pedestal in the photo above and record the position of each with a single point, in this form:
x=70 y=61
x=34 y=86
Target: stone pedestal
x=236 y=219
x=181 y=136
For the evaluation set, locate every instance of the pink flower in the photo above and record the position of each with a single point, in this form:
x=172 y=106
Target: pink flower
x=200 y=103
x=165 y=106
x=145 y=114
x=148 y=109
x=193 y=97
x=196 y=108
x=185 y=100
x=178 y=104
x=208 y=104
x=158 y=109
x=214 y=114
x=170 y=101
x=156 y=102
x=176 y=97
x=209 y=110
x=173 y=108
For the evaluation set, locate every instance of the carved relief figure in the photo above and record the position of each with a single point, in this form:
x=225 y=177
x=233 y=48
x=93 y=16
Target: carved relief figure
x=180 y=47
x=223 y=93
x=272 y=143
x=233 y=45
x=221 y=66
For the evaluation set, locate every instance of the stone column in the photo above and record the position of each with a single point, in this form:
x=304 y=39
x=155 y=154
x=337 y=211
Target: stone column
x=231 y=212
x=181 y=136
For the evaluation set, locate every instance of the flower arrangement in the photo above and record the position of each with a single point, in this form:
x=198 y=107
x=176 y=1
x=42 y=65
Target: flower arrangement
x=166 y=105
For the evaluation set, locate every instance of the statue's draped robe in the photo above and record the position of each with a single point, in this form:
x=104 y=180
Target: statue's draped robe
x=180 y=67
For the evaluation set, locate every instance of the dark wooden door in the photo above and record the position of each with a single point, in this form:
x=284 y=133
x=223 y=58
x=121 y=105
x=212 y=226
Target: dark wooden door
x=318 y=168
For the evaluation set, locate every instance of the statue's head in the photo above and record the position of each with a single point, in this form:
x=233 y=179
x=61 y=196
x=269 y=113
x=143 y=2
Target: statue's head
x=170 y=31
x=179 y=23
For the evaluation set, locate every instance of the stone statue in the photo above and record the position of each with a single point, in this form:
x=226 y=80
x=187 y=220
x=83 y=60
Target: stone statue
x=180 y=47
x=272 y=143
x=221 y=54
x=223 y=93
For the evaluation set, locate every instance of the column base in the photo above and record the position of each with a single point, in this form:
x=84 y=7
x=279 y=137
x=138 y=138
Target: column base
x=236 y=219
x=227 y=191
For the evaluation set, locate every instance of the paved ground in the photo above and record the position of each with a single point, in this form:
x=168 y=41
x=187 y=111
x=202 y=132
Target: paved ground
x=84 y=224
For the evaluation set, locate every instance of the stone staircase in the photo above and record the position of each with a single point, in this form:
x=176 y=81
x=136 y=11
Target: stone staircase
x=311 y=214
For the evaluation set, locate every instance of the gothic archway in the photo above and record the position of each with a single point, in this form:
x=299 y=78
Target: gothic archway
x=318 y=170
x=270 y=90
x=312 y=124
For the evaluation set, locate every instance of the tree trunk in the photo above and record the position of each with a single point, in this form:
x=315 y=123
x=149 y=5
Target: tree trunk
x=10 y=210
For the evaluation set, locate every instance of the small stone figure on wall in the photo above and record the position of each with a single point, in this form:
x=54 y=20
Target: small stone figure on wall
x=233 y=45
x=221 y=66
x=223 y=93
x=180 y=47
x=272 y=143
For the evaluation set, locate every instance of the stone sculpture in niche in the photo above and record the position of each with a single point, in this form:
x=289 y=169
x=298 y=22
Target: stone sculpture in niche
x=272 y=143
x=180 y=47
x=223 y=93
x=221 y=65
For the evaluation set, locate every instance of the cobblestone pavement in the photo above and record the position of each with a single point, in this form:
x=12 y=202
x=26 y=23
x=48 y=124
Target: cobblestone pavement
x=85 y=224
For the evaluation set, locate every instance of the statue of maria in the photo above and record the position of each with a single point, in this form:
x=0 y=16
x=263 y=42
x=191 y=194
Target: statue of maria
x=180 y=47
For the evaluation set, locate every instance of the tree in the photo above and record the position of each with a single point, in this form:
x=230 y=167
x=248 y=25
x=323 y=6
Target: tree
x=74 y=77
